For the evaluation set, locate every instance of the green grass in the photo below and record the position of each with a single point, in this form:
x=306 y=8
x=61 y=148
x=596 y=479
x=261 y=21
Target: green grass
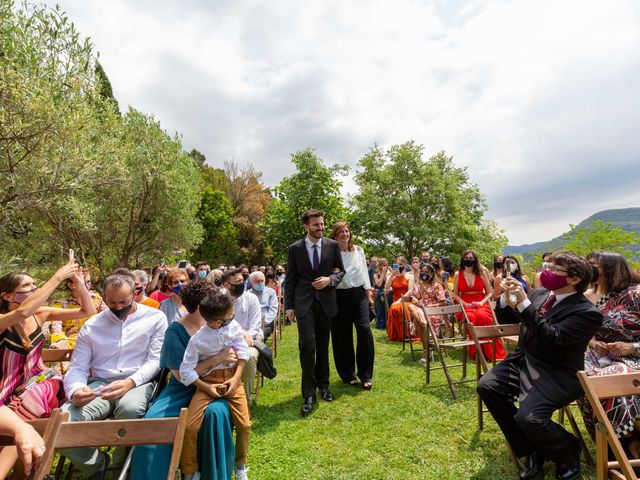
x=402 y=429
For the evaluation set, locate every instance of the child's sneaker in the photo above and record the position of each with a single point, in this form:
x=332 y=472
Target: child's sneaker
x=423 y=361
x=241 y=472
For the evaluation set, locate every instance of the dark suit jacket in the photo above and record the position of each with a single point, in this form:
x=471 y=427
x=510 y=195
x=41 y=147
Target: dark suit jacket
x=553 y=347
x=298 y=291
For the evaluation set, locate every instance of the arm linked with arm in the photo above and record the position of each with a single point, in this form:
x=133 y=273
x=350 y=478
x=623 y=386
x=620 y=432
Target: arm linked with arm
x=290 y=279
x=336 y=276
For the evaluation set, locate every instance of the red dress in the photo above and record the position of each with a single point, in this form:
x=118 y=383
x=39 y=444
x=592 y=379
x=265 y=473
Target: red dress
x=400 y=287
x=479 y=316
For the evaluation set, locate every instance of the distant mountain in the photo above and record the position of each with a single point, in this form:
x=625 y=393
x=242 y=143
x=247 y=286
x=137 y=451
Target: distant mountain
x=626 y=218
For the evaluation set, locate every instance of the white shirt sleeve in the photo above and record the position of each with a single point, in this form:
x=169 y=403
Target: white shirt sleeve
x=242 y=349
x=78 y=372
x=254 y=313
x=272 y=301
x=151 y=366
x=189 y=363
x=365 y=269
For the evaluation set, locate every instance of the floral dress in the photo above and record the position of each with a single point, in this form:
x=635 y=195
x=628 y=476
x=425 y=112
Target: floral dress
x=427 y=295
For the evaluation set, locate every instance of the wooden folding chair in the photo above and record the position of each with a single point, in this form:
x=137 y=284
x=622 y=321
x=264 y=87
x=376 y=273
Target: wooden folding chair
x=48 y=429
x=597 y=389
x=446 y=344
x=406 y=331
x=54 y=355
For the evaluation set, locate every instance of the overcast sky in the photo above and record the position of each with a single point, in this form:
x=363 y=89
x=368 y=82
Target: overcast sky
x=540 y=100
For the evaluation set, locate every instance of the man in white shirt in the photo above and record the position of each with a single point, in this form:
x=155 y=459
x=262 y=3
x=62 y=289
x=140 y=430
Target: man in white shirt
x=116 y=357
x=268 y=301
x=246 y=308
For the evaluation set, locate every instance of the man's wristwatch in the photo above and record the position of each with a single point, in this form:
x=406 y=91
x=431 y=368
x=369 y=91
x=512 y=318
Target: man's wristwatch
x=636 y=348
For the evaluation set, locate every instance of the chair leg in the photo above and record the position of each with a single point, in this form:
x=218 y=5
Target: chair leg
x=452 y=387
x=576 y=431
x=478 y=399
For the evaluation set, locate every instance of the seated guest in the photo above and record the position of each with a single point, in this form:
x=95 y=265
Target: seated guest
x=382 y=301
x=615 y=348
x=141 y=279
x=536 y=279
x=399 y=284
x=202 y=270
x=216 y=454
x=428 y=292
x=158 y=289
x=557 y=322
x=221 y=380
x=511 y=267
x=248 y=314
x=115 y=359
x=268 y=301
x=22 y=313
x=29 y=445
x=471 y=290
x=272 y=281
x=172 y=307
x=497 y=271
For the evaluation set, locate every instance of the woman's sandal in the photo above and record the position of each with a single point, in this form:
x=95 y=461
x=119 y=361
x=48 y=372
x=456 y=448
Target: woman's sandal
x=367 y=385
x=353 y=382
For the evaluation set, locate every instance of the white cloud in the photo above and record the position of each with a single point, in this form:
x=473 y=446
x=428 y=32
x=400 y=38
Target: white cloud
x=538 y=99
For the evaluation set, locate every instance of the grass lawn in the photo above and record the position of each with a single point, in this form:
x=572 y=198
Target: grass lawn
x=402 y=429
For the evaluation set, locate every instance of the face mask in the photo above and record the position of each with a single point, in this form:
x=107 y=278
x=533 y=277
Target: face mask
x=468 y=262
x=279 y=273
x=245 y=276
x=237 y=290
x=552 y=281
x=424 y=276
x=217 y=282
x=497 y=265
x=434 y=265
x=177 y=289
x=594 y=274
x=513 y=267
x=202 y=274
x=22 y=296
x=545 y=265
x=258 y=287
x=122 y=312
x=192 y=276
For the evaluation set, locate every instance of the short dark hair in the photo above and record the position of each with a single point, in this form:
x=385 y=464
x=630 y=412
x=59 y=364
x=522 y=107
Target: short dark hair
x=576 y=267
x=545 y=255
x=230 y=273
x=311 y=213
x=214 y=305
x=193 y=293
x=199 y=264
x=616 y=271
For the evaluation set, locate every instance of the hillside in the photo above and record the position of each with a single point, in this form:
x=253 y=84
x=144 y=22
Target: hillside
x=626 y=218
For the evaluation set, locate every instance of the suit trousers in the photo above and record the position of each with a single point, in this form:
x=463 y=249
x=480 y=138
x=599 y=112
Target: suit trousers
x=314 y=329
x=353 y=309
x=528 y=427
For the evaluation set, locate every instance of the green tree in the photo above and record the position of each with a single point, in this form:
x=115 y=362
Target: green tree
x=219 y=243
x=313 y=185
x=600 y=235
x=406 y=204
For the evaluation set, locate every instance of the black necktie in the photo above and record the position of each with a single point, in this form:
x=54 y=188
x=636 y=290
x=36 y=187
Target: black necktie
x=316 y=260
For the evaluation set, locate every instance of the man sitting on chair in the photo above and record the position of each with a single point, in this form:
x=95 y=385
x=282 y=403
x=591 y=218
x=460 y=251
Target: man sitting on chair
x=116 y=356
x=268 y=301
x=557 y=322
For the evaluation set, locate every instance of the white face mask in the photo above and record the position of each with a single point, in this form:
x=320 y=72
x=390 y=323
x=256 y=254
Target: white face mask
x=513 y=267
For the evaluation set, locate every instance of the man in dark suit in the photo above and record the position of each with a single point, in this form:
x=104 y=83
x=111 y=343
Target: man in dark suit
x=314 y=269
x=557 y=323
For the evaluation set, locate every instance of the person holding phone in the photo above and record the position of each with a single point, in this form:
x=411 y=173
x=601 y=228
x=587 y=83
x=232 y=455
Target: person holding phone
x=400 y=283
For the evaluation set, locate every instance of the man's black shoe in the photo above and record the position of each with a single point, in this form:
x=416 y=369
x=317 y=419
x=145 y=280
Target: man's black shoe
x=326 y=395
x=568 y=472
x=533 y=467
x=307 y=406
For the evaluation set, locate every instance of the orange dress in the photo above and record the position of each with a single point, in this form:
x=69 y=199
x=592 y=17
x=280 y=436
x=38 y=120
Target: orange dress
x=478 y=316
x=400 y=287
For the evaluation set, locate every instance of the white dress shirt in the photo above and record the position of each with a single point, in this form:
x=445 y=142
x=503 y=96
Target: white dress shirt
x=357 y=272
x=111 y=349
x=208 y=342
x=268 y=303
x=309 y=244
x=249 y=314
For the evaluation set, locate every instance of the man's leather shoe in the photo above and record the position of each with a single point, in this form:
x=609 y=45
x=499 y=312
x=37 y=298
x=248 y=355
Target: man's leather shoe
x=533 y=467
x=568 y=472
x=307 y=406
x=326 y=395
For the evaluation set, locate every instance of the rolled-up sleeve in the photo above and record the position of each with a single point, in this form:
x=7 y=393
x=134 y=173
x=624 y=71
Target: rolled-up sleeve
x=151 y=366
x=189 y=363
x=78 y=372
x=242 y=348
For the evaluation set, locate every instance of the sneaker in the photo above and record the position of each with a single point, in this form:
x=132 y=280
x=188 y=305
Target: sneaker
x=422 y=361
x=241 y=472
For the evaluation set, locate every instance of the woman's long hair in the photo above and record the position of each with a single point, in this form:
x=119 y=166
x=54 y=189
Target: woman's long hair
x=617 y=274
x=476 y=267
x=8 y=284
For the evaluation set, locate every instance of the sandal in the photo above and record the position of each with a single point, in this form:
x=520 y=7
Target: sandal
x=353 y=382
x=367 y=385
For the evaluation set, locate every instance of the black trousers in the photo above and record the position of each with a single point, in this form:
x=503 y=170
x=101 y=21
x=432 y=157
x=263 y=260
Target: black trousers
x=528 y=427
x=314 y=329
x=267 y=331
x=353 y=309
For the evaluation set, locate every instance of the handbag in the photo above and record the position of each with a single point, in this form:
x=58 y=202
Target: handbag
x=265 y=360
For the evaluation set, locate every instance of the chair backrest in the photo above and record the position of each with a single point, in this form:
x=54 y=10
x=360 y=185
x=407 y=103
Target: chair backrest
x=148 y=431
x=596 y=389
x=448 y=310
x=52 y=355
x=490 y=332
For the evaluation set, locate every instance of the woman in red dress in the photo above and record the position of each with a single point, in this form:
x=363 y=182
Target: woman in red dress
x=401 y=283
x=472 y=290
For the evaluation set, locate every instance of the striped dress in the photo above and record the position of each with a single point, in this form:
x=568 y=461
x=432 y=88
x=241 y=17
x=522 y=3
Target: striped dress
x=18 y=365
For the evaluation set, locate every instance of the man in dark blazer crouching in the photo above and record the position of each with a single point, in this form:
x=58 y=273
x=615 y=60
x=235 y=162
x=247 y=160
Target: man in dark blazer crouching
x=557 y=322
x=314 y=270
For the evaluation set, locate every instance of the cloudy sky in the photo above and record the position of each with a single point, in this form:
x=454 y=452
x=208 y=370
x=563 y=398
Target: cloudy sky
x=540 y=100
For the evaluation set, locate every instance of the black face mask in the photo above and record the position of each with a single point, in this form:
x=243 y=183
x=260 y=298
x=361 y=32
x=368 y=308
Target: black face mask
x=121 y=313
x=468 y=262
x=245 y=276
x=236 y=290
x=594 y=274
x=217 y=282
x=497 y=265
x=192 y=276
x=270 y=276
x=425 y=276
x=435 y=266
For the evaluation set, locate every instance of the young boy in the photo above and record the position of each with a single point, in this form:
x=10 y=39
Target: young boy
x=223 y=381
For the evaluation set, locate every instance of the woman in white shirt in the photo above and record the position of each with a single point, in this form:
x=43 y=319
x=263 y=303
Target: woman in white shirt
x=353 y=309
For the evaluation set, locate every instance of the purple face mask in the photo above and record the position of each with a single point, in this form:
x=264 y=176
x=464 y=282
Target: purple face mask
x=552 y=281
x=22 y=296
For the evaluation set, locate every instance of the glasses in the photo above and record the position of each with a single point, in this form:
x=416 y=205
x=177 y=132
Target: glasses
x=554 y=269
x=225 y=321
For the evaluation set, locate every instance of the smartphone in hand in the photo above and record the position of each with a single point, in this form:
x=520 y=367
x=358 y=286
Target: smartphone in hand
x=72 y=255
